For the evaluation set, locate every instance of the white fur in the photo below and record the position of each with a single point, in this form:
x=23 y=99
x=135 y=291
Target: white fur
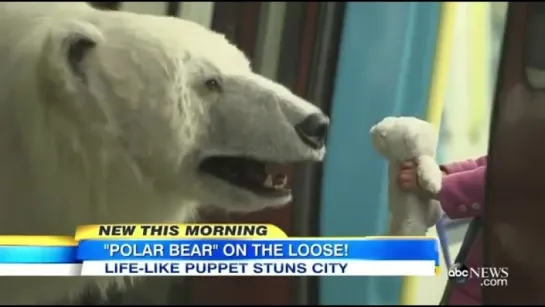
x=399 y=139
x=122 y=143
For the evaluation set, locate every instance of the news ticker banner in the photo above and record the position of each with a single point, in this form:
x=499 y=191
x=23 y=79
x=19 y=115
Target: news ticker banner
x=213 y=250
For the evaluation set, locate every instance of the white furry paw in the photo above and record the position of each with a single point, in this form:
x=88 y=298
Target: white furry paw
x=429 y=174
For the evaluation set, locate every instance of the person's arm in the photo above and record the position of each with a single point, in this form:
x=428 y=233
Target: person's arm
x=462 y=193
x=462 y=166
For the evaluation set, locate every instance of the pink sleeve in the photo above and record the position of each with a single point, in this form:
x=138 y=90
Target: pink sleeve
x=465 y=165
x=462 y=193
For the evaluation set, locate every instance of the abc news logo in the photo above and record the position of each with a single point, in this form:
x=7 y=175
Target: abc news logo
x=459 y=273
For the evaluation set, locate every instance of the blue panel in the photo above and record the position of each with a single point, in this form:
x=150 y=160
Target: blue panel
x=384 y=69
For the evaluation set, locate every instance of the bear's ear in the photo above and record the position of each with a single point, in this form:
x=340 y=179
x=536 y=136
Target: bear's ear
x=70 y=43
x=77 y=48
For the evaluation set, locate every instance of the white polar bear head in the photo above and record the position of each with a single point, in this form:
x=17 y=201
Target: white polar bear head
x=419 y=138
x=174 y=102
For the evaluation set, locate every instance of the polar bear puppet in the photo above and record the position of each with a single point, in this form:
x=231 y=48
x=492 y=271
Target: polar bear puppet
x=116 y=117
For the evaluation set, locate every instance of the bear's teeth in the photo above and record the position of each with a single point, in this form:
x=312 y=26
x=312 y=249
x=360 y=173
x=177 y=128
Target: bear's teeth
x=279 y=186
x=268 y=183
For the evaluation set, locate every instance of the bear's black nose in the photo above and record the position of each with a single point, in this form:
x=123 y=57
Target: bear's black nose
x=313 y=130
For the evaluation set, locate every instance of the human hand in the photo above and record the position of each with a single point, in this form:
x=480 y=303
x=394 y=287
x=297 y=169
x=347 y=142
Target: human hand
x=408 y=181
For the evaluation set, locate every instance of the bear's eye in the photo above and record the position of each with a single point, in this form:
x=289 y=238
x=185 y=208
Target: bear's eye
x=213 y=85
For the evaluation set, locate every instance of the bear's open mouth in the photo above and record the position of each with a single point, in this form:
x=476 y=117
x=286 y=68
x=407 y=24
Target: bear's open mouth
x=249 y=174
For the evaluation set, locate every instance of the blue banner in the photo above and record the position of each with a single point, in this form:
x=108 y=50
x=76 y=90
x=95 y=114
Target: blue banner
x=38 y=254
x=226 y=250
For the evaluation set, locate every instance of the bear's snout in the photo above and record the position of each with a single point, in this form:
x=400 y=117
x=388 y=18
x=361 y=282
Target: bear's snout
x=313 y=130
